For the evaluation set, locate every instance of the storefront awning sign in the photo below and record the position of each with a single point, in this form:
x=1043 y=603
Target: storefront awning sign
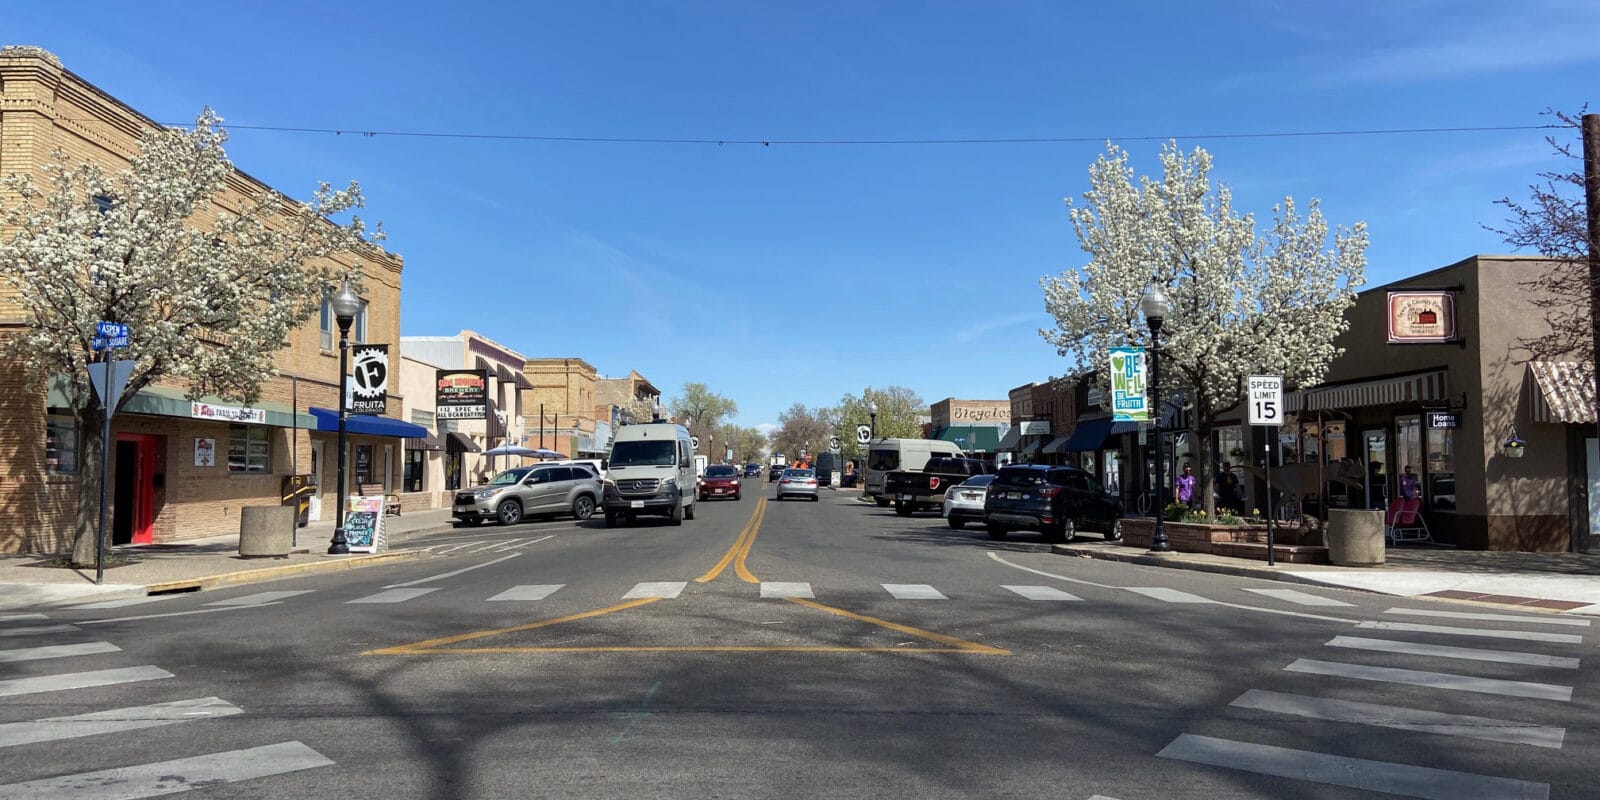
x=216 y=413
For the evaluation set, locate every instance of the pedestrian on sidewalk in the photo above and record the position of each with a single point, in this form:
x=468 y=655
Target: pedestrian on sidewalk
x=1228 y=489
x=1183 y=488
x=1410 y=485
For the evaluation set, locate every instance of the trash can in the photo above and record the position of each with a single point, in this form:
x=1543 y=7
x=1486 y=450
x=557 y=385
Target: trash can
x=266 y=531
x=1355 y=537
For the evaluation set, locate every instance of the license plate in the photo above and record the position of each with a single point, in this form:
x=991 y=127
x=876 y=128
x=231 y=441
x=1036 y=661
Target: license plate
x=904 y=497
x=636 y=504
x=969 y=496
x=716 y=491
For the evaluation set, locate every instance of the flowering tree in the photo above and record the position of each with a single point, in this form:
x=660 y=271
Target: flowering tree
x=210 y=284
x=1242 y=304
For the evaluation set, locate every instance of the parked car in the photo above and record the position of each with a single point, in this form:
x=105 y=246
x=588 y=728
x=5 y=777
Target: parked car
x=888 y=455
x=797 y=483
x=924 y=489
x=721 y=480
x=964 y=503
x=774 y=471
x=1056 y=501
x=511 y=496
x=752 y=470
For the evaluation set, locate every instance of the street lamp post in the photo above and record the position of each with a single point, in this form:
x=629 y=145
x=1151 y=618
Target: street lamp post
x=872 y=415
x=345 y=305
x=1157 y=306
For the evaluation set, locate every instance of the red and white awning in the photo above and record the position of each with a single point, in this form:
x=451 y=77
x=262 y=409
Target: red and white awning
x=1421 y=387
x=1561 y=392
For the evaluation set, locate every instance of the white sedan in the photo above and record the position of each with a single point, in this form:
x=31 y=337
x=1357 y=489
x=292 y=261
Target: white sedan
x=964 y=502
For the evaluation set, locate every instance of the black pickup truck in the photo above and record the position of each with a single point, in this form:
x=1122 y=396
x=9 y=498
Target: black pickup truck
x=924 y=490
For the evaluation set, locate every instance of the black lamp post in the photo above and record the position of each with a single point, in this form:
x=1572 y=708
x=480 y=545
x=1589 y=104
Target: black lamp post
x=1157 y=306
x=872 y=415
x=345 y=306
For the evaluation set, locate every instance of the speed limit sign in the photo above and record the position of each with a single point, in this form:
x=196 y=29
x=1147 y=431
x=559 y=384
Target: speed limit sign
x=1266 y=399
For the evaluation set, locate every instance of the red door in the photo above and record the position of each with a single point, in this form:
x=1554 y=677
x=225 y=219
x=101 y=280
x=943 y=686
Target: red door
x=134 y=506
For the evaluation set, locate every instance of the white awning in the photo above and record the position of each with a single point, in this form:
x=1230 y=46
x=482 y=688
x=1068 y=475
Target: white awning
x=1562 y=392
x=1421 y=387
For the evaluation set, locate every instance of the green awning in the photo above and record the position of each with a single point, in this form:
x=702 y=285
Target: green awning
x=971 y=438
x=166 y=401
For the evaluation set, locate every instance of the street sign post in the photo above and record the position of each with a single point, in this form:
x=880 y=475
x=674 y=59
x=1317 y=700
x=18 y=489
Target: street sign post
x=109 y=336
x=863 y=434
x=108 y=378
x=695 y=441
x=833 y=443
x=1265 y=401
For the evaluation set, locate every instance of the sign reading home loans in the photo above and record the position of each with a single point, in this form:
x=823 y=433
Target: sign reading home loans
x=460 y=393
x=1129 y=402
x=1265 y=399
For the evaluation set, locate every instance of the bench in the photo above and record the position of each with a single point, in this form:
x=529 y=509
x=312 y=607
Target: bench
x=391 y=501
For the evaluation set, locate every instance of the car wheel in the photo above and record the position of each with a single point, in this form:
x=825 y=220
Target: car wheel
x=509 y=512
x=583 y=507
x=675 y=516
x=611 y=519
x=958 y=524
x=997 y=533
x=883 y=502
x=688 y=513
x=1114 y=533
x=903 y=509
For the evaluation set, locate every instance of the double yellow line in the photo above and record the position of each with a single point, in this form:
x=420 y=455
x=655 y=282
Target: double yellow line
x=740 y=551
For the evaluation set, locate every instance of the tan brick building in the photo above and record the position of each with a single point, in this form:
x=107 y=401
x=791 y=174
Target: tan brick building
x=180 y=470
x=573 y=422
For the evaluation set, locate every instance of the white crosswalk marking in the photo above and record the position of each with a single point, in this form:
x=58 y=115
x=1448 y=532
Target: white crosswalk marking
x=17 y=617
x=1406 y=719
x=664 y=589
x=1299 y=597
x=530 y=592
x=913 y=591
x=127 y=601
x=167 y=777
x=1541 y=620
x=57 y=651
x=115 y=721
x=1434 y=680
x=1041 y=593
x=1530 y=636
x=80 y=680
x=451 y=548
x=508 y=544
x=778 y=589
x=258 y=598
x=37 y=630
x=1167 y=595
x=392 y=596
x=1444 y=651
x=1355 y=773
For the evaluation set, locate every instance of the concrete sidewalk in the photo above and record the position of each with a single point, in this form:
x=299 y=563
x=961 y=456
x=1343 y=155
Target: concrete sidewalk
x=1561 y=582
x=138 y=570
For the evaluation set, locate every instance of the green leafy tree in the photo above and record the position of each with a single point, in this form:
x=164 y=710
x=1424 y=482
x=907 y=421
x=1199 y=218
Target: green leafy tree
x=705 y=410
x=801 y=428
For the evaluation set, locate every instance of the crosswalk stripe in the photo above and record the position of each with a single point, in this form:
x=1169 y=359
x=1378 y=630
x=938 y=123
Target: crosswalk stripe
x=37 y=630
x=167 y=777
x=779 y=589
x=57 y=651
x=453 y=548
x=530 y=592
x=127 y=601
x=1432 y=680
x=1530 y=636
x=1406 y=719
x=393 y=596
x=913 y=591
x=80 y=680
x=1041 y=593
x=1167 y=595
x=258 y=598
x=1540 y=620
x=508 y=544
x=1356 y=773
x=114 y=721
x=1300 y=598
x=17 y=617
x=664 y=589
x=1445 y=651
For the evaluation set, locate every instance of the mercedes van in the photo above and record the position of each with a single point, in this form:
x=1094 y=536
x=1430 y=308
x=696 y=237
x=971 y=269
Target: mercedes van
x=650 y=471
x=908 y=455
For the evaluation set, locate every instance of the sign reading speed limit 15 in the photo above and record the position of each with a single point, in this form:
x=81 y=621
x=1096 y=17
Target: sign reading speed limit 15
x=1266 y=399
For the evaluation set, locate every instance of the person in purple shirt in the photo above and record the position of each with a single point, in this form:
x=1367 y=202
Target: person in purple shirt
x=1183 y=487
x=1410 y=485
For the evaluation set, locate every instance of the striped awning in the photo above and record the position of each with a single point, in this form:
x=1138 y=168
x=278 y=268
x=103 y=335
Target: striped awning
x=1562 y=392
x=1421 y=387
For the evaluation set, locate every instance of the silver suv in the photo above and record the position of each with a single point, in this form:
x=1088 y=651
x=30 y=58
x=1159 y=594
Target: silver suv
x=564 y=488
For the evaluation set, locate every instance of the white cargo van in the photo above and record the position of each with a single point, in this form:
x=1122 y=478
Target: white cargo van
x=650 y=471
x=888 y=455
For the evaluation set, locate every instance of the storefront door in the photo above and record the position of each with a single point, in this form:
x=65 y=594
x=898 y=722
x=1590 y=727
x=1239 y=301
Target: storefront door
x=318 y=459
x=1593 y=476
x=134 y=504
x=1376 y=452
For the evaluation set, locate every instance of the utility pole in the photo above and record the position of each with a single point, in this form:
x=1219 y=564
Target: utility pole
x=1591 y=203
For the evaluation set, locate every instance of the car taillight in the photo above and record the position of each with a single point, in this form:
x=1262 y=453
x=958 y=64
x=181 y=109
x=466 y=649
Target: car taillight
x=785 y=480
x=933 y=484
x=1049 y=491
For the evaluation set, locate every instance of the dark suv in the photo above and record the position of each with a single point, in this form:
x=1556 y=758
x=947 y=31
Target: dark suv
x=1055 y=501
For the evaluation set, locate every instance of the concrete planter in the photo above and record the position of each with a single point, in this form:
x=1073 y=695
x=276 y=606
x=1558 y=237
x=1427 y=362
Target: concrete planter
x=1187 y=537
x=266 y=531
x=1355 y=537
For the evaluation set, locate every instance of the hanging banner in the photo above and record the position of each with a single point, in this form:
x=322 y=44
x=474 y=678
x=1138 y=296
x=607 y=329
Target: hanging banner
x=369 y=379
x=460 y=393
x=1128 y=400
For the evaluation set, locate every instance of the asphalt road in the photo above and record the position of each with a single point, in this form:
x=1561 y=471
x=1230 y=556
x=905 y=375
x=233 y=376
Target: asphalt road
x=790 y=650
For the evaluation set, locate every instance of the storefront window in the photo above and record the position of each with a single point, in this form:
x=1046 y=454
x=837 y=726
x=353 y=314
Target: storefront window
x=364 y=463
x=61 y=446
x=452 y=471
x=1230 y=445
x=249 y=449
x=1112 y=474
x=415 y=469
x=1408 y=443
x=1310 y=442
x=1441 y=469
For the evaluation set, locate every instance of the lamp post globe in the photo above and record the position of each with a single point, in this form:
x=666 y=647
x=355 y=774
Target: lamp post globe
x=872 y=419
x=346 y=304
x=1157 y=307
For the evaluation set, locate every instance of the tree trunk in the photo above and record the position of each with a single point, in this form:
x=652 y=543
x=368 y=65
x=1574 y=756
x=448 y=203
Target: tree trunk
x=1203 y=469
x=89 y=478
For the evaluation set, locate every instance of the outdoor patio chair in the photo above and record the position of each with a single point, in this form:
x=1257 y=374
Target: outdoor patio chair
x=1403 y=522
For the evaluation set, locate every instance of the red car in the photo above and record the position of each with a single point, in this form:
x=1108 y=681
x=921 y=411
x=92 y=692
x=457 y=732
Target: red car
x=721 y=480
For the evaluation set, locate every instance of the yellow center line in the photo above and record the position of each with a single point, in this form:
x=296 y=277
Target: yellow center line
x=727 y=558
x=961 y=645
x=467 y=637
x=692 y=649
x=744 y=552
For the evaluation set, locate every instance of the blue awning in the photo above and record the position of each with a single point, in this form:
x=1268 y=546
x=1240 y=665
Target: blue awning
x=367 y=425
x=1119 y=428
x=1089 y=435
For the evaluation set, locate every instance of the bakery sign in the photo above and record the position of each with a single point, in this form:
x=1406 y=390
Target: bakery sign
x=1422 y=317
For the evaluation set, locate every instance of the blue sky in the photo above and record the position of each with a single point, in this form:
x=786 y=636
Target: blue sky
x=797 y=273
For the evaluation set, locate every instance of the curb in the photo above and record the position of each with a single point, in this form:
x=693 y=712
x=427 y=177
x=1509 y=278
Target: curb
x=275 y=573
